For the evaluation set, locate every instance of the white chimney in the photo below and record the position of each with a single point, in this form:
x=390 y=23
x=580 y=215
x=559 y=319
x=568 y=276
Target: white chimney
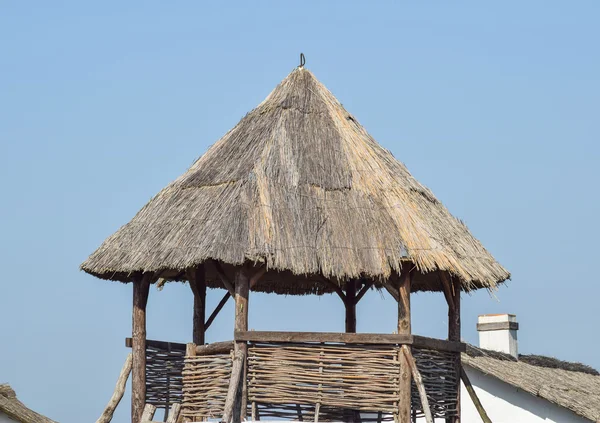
x=498 y=332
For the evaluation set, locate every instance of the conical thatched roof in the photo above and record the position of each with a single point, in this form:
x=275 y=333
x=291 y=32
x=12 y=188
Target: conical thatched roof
x=300 y=185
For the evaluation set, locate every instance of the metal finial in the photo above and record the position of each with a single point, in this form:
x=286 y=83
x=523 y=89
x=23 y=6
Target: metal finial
x=302 y=60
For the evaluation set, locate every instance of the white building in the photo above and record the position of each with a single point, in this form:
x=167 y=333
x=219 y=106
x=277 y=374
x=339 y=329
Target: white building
x=517 y=388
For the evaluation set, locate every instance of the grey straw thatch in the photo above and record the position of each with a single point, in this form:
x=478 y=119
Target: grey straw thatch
x=16 y=410
x=573 y=386
x=299 y=185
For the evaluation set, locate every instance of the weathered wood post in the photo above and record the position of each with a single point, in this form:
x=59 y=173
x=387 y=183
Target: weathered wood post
x=404 y=328
x=141 y=288
x=196 y=278
x=350 y=303
x=452 y=293
x=242 y=288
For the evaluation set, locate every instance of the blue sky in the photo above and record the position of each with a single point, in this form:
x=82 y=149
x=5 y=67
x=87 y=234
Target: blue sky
x=493 y=107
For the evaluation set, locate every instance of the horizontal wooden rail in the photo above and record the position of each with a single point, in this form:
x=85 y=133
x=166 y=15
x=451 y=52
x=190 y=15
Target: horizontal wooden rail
x=299 y=337
x=173 y=346
x=351 y=338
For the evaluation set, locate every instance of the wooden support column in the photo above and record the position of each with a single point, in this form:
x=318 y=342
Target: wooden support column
x=197 y=282
x=141 y=288
x=452 y=293
x=350 y=303
x=242 y=288
x=404 y=328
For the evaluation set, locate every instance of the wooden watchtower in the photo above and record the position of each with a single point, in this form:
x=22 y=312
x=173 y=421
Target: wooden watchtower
x=298 y=199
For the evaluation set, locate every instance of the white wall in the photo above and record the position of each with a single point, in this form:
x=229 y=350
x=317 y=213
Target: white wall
x=507 y=404
x=5 y=419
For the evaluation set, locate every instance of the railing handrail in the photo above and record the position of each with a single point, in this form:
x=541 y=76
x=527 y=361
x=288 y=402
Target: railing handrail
x=350 y=338
x=163 y=345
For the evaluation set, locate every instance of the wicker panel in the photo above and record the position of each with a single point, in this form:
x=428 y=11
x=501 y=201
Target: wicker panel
x=205 y=385
x=347 y=377
x=164 y=383
x=440 y=376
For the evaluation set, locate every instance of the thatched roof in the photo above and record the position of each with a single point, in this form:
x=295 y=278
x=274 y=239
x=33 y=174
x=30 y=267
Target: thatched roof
x=300 y=185
x=16 y=410
x=573 y=386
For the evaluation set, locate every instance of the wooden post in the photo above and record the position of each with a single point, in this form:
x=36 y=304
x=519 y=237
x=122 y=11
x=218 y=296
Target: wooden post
x=141 y=288
x=419 y=382
x=198 y=284
x=350 y=303
x=107 y=415
x=482 y=413
x=404 y=328
x=452 y=287
x=242 y=288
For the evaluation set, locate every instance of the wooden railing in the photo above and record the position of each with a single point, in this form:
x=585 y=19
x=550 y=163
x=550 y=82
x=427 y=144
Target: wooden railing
x=329 y=376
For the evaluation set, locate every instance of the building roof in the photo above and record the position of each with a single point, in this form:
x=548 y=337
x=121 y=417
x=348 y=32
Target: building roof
x=299 y=185
x=573 y=386
x=16 y=410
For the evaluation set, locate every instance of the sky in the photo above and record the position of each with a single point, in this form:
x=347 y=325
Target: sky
x=494 y=107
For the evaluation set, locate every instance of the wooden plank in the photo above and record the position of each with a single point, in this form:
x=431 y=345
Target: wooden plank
x=482 y=413
x=334 y=337
x=419 y=382
x=141 y=288
x=107 y=415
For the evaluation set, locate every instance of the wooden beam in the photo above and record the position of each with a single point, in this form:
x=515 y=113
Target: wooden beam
x=335 y=287
x=173 y=346
x=196 y=278
x=363 y=291
x=257 y=275
x=447 y=289
x=141 y=288
x=215 y=348
x=482 y=413
x=350 y=305
x=217 y=309
x=107 y=415
x=318 y=337
x=389 y=287
x=404 y=328
x=224 y=279
x=419 y=382
x=438 y=344
x=242 y=288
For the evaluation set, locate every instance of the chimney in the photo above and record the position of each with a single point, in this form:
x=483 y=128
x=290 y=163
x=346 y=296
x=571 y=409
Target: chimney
x=498 y=332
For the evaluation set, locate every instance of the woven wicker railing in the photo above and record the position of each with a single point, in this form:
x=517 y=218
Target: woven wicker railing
x=164 y=367
x=295 y=380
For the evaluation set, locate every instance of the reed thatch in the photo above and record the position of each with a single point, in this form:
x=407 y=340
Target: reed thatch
x=299 y=185
x=573 y=386
x=16 y=410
